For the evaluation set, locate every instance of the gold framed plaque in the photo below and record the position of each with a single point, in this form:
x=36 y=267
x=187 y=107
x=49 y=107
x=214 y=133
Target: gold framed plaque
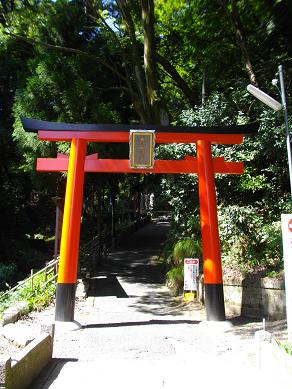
x=142 y=143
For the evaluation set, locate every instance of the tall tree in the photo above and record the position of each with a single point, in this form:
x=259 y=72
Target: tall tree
x=232 y=12
x=150 y=61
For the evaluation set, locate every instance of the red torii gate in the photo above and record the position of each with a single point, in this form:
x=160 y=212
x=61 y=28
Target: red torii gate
x=78 y=163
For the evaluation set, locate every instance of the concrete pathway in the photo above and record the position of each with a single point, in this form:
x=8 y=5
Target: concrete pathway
x=135 y=335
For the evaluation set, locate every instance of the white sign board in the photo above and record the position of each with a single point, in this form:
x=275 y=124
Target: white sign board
x=287 y=253
x=191 y=274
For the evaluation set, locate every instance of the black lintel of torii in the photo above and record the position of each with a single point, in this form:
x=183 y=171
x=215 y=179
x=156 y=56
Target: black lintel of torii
x=34 y=125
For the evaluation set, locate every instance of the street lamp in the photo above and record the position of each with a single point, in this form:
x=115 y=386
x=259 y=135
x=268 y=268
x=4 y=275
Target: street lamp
x=276 y=106
x=286 y=218
x=264 y=98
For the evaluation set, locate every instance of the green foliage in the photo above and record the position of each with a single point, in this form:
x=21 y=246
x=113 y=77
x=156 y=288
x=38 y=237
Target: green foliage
x=251 y=181
x=7 y=274
x=37 y=296
x=247 y=240
x=217 y=110
x=175 y=279
x=249 y=204
x=181 y=194
x=186 y=248
x=287 y=347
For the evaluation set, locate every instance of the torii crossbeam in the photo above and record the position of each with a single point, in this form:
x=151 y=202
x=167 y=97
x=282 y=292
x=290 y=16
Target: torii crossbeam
x=78 y=163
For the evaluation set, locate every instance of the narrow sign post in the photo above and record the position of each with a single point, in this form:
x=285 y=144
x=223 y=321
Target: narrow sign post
x=191 y=274
x=287 y=253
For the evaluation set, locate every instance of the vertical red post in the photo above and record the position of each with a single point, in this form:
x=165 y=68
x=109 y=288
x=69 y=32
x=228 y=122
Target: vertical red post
x=214 y=297
x=68 y=265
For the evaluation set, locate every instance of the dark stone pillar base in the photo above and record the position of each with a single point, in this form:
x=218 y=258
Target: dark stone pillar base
x=214 y=301
x=65 y=302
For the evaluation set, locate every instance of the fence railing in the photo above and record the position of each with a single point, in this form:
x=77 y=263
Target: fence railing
x=50 y=275
x=96 y=247
x=99 y=244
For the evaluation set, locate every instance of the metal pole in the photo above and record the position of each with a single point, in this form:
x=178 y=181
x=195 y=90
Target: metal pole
x=113 y=219
x=56 y=246
x=287 y=254
x=203 y=87
x=286 y=219
x=288 y=139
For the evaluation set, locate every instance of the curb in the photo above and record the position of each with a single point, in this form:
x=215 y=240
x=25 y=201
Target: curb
x=19 y=371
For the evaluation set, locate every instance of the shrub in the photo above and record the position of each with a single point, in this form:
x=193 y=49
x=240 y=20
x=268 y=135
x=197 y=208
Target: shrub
x=248 y=239
x=7 y=274
x=186 y=248
x=175 y=279
x=37 y=297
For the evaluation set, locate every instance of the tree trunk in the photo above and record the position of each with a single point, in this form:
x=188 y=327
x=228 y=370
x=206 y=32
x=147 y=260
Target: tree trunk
x=235 y=21
x=179 y=81
x=150 y=66
x=141 y=105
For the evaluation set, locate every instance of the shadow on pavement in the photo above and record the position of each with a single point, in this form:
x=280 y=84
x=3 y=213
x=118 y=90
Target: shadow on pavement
x=135 y=265
x=152 y=235
x=106 y=286
x=49 y=374
x=245 y=327
x=161 y=303
x=137 y=261
x=140 y=323
x=137 y=257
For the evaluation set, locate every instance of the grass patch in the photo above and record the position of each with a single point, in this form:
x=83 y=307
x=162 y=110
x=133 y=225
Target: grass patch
x=287 y=347
x=36 y=295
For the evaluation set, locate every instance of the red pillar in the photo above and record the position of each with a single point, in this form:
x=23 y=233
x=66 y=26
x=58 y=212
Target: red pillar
x=214 y=298
x=68 y=265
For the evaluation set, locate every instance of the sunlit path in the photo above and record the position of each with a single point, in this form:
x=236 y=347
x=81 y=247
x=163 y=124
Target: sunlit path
x=134 y=334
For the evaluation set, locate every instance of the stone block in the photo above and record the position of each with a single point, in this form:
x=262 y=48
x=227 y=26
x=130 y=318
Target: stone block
x=257 y=297
x=29 y=362
x=4 y=365
x=272 y=283
x=48 y=328
x=10 y=315
x=19 y=335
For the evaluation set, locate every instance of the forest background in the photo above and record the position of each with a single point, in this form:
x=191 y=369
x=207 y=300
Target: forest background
x=128 y=61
